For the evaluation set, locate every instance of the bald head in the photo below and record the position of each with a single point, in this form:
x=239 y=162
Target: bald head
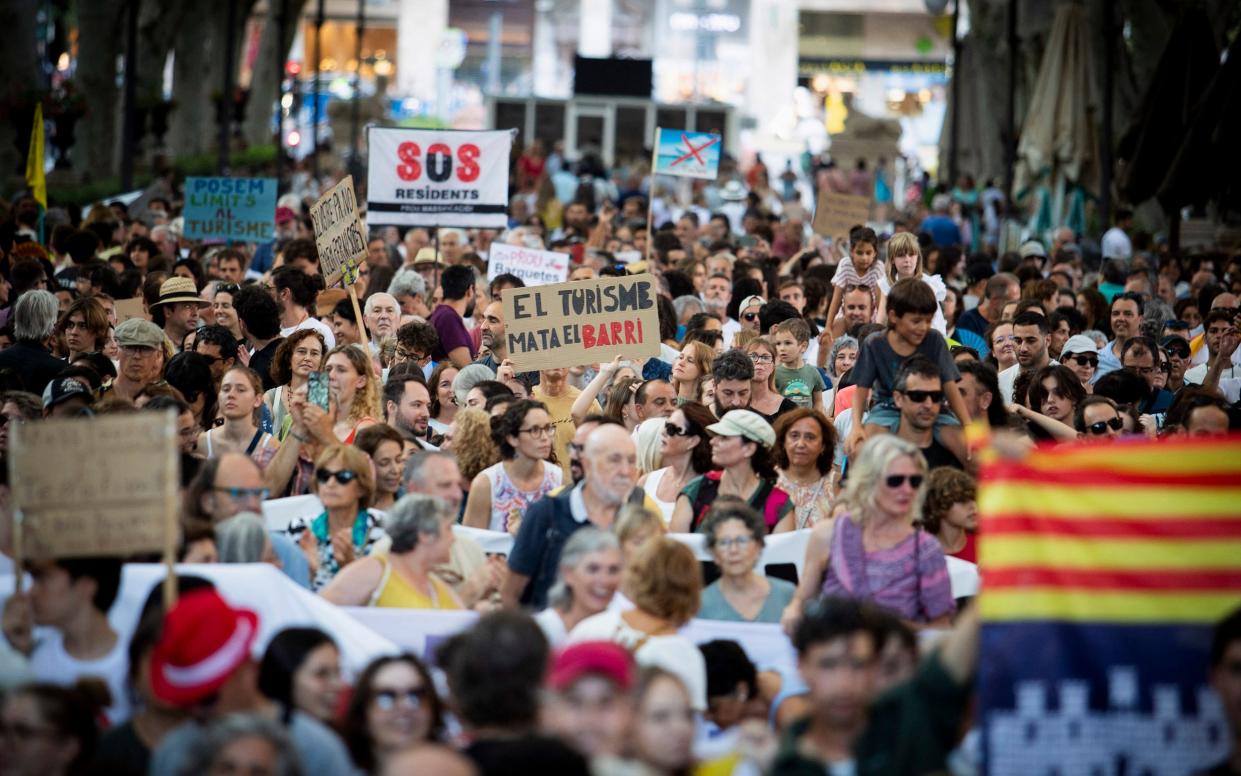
x=1225 y=300
x=610 y=463
x=235 y=488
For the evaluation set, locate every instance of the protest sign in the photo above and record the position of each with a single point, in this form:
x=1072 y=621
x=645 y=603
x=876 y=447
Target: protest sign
x=583 y=322
x=1105 y=568
x=422 y=177
x=837 y=213
x=687 y=154
x=129 y=308
x=240 y=209
x=340 y=233
x=96 y=486
x=534 y=267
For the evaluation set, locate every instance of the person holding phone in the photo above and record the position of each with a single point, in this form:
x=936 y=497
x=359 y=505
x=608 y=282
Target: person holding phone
x=355 y=389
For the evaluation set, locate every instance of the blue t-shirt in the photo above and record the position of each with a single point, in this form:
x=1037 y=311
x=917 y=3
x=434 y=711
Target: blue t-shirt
x=943 y=230
x=878 y=364
x=546 y=526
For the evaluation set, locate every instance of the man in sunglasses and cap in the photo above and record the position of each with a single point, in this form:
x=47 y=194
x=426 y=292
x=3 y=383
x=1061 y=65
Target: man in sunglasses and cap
x=919 y=395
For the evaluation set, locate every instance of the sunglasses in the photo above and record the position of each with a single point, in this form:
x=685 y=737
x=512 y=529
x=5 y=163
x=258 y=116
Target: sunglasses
x=343 y=477
x=1090 y=361
x=675 y=431
x=749 y=316
x=917 y=397
x=1100 y=428
x=1178 y=351
x=897 y=480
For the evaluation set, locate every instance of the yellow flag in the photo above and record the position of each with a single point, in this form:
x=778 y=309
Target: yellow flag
x=35 y=178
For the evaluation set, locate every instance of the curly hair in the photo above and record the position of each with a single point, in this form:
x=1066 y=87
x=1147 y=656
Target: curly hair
x=282 y=362
x=473 y=443
x=365 y=401
x=509 y=425
x=665 y=579
x=945 y=487
x=785 y=422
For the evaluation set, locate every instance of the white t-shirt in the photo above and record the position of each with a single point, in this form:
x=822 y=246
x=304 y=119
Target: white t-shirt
x=313 y=323
x=552 y=625
x=51 y=663
x=675 y=654
x=1008 y=379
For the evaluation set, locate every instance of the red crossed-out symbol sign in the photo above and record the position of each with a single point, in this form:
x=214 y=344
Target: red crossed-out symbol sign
x=694 y=151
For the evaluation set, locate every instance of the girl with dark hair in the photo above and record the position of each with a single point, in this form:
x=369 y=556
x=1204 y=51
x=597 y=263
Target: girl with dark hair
x=805 y=443
x=190 y=373
x=443 y=404
x=685 y=451
x=241 y=399
x=500 y=494
x=298 y=355
x=301 y=671
x=394 y=706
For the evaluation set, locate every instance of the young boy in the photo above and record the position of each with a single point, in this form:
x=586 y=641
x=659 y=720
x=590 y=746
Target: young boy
x=795 y=379
x=911 y=306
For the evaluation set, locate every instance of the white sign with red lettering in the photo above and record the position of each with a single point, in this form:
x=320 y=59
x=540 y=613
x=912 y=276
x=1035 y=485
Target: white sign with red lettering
x=438 y=177
x=534 y=267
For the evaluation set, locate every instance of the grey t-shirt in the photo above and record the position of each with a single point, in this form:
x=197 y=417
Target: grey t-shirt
x=716 y=607
x=317 y=747
x=878 y=364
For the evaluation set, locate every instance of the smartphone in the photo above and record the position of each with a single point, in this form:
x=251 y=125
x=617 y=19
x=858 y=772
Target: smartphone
x=747 y=241
x=317 y=389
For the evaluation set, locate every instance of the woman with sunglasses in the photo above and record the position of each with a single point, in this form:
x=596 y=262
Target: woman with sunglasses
x=501 y=493
x=690 y=370
x=393 y=707
x=298 y=355
x=403 y=577
x=685 y=452
x=1081 y=356
x=873 y=551
x=764 y=398
x=1003 y=344
x=345 y=530
x=741 y=453
x=735 y=536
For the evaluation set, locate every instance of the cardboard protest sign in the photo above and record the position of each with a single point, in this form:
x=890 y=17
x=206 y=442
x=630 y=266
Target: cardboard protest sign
x=340 y=233
x=240 y=209
x=534 y=267
x=1105 y=569
x=687 y=154
x=422 y=177
x=583 y=322
x=837 y=213
x=96 y=486
x=129 y=308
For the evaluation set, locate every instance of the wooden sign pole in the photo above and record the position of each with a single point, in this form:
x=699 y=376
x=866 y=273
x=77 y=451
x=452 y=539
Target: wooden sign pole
x=170 y=520
x=357 y=311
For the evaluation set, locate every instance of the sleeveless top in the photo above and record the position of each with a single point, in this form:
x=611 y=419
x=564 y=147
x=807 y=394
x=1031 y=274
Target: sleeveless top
x=652 y=488
x=281 y=420
x=394 y=592
x=259 y=439
x=506 y=498
x=353 y=432
x=910 y=578
x=770 y=501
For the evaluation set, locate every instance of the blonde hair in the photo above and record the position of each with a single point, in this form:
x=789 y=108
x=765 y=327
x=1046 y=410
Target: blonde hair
x=703 y=356
x=632 y=518
x=743 y=338
x=866 y=475
x=649 y=437
x=903 y=244
x=761 y=342
x=472 y=442
x=356 y=461
x=366 y=399
x=665 y=579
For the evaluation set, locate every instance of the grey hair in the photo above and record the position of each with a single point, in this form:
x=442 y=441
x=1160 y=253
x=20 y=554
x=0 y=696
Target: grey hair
x=840 y=344
x=205 y=748
x=1154 y=313
x=241 y=538
x=407 y=282
x=868 y=470
x=1096 y=336
x=417 y=461
x=373 y=299
x=415 y=516
x=34 y=316
x=583 y=542
x=683 y=303
x=467 y=378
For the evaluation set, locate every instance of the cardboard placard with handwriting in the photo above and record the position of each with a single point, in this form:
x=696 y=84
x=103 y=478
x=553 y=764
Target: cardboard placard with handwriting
x=340 y=233
x=95 y=486
x=582 y=322
x=837 y=213
x=129 y=308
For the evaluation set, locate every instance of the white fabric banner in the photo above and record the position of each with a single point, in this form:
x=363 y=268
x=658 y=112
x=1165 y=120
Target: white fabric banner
x=424 y=177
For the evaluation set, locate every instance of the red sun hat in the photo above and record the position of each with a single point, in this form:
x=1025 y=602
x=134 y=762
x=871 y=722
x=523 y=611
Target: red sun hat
x=204 y=642
x=591 y=658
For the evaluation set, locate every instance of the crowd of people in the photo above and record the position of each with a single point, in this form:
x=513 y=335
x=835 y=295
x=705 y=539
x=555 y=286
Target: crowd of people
x=803 y=384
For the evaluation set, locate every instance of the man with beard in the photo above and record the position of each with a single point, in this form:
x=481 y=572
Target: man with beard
x=1033 y=335
x=493 y=341
x=919 y=395
x=455 y=344
x=733 y=372
x=407 y=402
x=609 y=471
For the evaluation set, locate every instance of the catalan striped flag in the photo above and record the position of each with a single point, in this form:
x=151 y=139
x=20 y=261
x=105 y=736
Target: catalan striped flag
x=1104 y=568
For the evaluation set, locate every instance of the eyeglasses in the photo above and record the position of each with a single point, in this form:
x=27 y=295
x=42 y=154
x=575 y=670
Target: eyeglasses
x=138 y=350
x=410 y=356
x=538 y=431
x=761 y=358
x=342 y=477
x=674 y=430
x=897 y=480
x=1083 y=360
x=1097 y=429
x=211 y=360
x=245 y=493
x=387 y=700
x=918 y=397
x=740 y=542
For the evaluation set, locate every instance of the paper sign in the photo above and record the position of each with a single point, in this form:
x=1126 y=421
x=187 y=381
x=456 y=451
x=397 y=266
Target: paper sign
x=129 y=308
x=688 y=154
x=340 y=233
x=240 y=209
x=583 y=322
x=87 y=487
x=838 y=213
x=534 y=267
x=423 y=177
x=627 y=257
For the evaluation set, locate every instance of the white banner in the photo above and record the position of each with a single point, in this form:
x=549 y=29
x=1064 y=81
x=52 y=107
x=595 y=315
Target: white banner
x=534 y=267
x=425 y=177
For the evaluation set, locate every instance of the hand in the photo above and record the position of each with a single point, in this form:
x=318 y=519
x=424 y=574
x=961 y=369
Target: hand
x=790 y=617
x=342 y=546
x=319 y=423
x=243 y=355
x=855 y=439
x=310 y=548
x=505 y=371
x=610 y=368
x=18 y=623
x=1149 y=426
x=1228 y=345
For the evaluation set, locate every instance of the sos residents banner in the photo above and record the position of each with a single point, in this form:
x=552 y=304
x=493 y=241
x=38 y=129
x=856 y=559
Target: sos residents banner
x=339 y=232
x=423 y=177
x=583 y=322
x=534 y=267
x=234 y=209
